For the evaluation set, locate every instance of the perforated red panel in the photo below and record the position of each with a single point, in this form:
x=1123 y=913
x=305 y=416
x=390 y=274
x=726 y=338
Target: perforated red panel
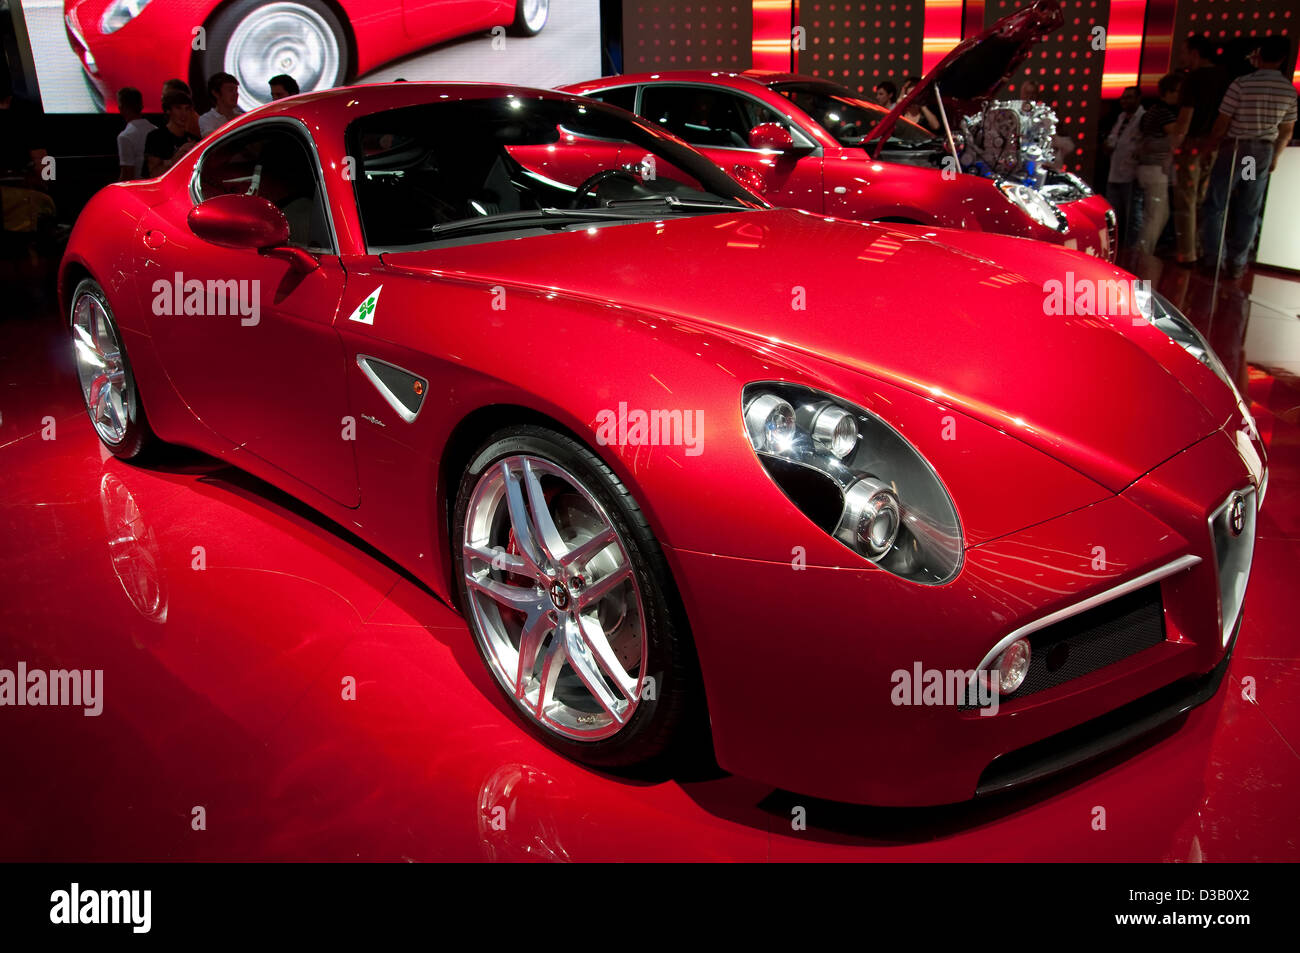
x=1233 y=23
x=687 y=35
x=1069 y=71
x=858 y=43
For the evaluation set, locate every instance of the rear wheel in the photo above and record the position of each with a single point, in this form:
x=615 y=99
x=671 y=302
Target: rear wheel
x=566 y=592
x=530 y=17
x=104 y=372
x=253 y=40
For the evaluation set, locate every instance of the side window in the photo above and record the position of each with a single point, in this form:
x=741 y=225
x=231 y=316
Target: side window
x=705 y=117
x=272 y=161
x=624 y=97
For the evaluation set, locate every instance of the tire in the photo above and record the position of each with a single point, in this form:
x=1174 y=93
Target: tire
x=583 y=499
x=313 y=47
x=108 y=385
x=530 y=17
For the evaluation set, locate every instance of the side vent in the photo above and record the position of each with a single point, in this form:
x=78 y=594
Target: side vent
x=403 y=390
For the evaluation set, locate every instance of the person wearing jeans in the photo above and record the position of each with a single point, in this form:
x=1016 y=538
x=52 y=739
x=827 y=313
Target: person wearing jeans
x=1258 y=116
x=1122 y=143
x=1155 y=159
x=1203 y=89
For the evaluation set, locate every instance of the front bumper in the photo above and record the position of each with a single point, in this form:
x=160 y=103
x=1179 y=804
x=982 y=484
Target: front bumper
x=148 y=51
x=800 y=665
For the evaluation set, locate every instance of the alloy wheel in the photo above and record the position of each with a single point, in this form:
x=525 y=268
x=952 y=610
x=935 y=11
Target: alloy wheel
x=281 y=38
x=553 y=599
x=534 y=13
x=101 y=368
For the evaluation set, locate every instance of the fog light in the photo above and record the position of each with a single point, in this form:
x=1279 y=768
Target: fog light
x=1012 y=666
x=870 y=519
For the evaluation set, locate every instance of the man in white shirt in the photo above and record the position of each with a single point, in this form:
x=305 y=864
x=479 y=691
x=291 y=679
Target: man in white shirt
x=1258 y=116
x=1122 y=144
x=130 y=141
x=223 y=90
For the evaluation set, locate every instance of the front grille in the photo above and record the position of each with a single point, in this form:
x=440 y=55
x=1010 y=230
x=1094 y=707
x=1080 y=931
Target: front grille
x=1112 y=234
x=1091 y=640
x=1103 y=734
x=1232 y=528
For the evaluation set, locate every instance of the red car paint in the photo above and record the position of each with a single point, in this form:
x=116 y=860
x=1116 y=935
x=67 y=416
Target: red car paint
x=1053 y=434
x=828 y=177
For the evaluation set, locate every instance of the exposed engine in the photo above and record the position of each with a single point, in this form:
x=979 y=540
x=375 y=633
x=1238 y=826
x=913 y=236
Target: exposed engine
x=1009 y=139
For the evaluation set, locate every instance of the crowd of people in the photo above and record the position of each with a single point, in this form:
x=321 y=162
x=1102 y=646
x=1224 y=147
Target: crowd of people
x=1201 y=153
x=146 y=149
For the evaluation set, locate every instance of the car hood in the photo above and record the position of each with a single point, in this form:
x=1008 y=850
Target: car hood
x=977 y=67
x=895 y=303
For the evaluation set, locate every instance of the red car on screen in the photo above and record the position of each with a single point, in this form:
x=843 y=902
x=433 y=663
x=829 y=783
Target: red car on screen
x=685 y=462
x=812 y=144
x=144 y=43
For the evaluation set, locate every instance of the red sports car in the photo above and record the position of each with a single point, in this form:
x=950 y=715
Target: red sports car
x=811 y=144
x=320 y=43
x=686 y=462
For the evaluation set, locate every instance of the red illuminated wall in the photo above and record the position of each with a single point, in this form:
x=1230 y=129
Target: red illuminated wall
x=1233 y=23
x=662 y=34
x=858 y=43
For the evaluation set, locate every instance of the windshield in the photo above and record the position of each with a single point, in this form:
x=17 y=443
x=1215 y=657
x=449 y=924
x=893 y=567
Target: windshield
x=847 y=118
x=493 y=168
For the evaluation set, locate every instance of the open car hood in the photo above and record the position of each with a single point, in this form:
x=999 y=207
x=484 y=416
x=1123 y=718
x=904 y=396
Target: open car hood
x=977 y=67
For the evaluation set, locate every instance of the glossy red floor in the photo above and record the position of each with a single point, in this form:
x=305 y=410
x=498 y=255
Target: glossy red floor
x=223 y=685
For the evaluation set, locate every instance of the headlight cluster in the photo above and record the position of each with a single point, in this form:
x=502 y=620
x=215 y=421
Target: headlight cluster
x=120 y=13
x=1157 y=309
x=1034 y=204
x=855 y=477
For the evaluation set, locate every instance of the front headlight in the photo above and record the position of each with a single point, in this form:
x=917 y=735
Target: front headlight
x=1157 y=310
x=856 y=478
x=1034 y=204
x=120 y=13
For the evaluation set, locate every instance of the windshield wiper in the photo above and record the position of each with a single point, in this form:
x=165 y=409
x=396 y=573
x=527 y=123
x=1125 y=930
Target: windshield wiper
x=676 y=203
x=544 y=217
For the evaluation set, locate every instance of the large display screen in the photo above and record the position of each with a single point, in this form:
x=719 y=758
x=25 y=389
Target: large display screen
x=85 y=50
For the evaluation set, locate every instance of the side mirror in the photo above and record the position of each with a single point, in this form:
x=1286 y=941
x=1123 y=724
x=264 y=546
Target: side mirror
x=239 y=221
x=771 y=137
x=749 y=177
x=251 y=222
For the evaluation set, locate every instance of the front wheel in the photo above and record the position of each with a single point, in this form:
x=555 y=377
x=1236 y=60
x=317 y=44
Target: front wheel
x=530 y=17
x=107 y=382
x=566 y=592
x=253 y=40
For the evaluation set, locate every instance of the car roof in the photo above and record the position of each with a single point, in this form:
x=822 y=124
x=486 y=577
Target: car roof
x=361 y=100
x=746 y=80
x=713 y=77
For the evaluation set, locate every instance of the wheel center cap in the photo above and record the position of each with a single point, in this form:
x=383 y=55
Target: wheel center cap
x=559 y=595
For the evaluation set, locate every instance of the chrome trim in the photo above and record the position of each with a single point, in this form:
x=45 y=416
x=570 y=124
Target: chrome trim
x=1123 y=589
x=300 y=127
x=365 y=360
x=1250 y=499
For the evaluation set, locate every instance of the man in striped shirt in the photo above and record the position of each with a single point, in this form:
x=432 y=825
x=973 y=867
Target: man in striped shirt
x=1257 y=116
